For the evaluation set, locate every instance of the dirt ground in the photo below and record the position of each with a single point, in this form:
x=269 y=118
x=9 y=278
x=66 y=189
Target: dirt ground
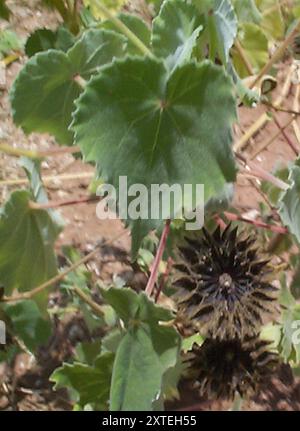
x=25 y=385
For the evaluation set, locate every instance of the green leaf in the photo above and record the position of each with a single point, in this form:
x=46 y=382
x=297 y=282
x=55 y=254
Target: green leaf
x=272 y=22
x=9 y=41
x=28 y=323
x=130 y=306
x=187 y=343
x=285 y=297
x=43 y=94
x=273 y=192
x=289 y=202
x=27 y=237
x=247 y=11
x=4 y=11
x=136 y=25
x=170 y=381
x=255 y=47
x=124 y=301
x=143 y=356
x=87 y=351
x=144 y=353
x=223 y=28
x=44 y=39
x=246 y=96
x=91 y=383
x=272 y=333
x=113 y=6
x=112 y=340
x=289 y=344
x=32 y=169
x=156 y=4
x=94 y=49
x=167 y=130
x=175 y=31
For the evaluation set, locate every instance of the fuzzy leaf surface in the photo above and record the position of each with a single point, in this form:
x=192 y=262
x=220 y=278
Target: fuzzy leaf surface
x=27 y=237
x=145 y=352
x=166 y=129
x=175 y=31
x=91 y=383
x=43 y=93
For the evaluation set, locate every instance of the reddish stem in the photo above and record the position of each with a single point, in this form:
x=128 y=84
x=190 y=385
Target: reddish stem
x=257 y=223
x=164 y=278
x=284 y=134
x=158 y=257
x=62 y=203
x=259 y=172
x=220 y=222
x=59 y=150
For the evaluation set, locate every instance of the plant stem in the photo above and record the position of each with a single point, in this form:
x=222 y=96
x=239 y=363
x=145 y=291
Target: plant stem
x=34 y=154
x=62 y=275
x=11 y=58
x=265 y=144
x=261 y=193
x=278 y=108
x=85 y=298
x=235 y=217
x=8 y=149
x=277 y=54
x=294 y=147
x=263 y=119
x=158 y=257
x=56 y=204
x=61 y=8
x=243 y=56
x=258 y=172
x=273 y=8
x=80 y=81
x=296 y=107
x=164 y=278
x=122 y=27
x=48 y=178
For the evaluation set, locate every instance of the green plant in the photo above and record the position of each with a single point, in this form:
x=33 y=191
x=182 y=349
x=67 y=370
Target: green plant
x=155 y=103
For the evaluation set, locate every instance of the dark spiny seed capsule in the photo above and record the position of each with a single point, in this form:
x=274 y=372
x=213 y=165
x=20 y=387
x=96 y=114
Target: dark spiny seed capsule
x=227 y=297
x=223 y=368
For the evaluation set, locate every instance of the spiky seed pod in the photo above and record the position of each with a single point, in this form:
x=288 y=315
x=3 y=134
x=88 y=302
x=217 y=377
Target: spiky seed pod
x=223 y=368
x=221 y=284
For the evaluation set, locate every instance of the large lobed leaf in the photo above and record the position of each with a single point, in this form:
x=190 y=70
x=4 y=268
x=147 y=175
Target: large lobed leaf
x=146 y=352
x=143 y=356
x=28 y=323
x=135 y=120
x=136 y=25
x=43 y=39
x=43 y=94
x=91 y=383
x=175 y=32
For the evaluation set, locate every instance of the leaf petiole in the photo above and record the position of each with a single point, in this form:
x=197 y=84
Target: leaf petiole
x=122 y=27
